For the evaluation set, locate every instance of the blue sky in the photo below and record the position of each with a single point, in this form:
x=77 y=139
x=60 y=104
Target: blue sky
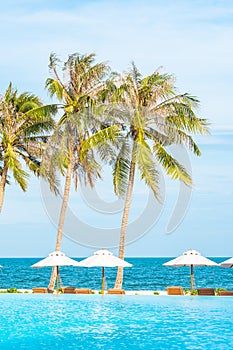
x=190 y=39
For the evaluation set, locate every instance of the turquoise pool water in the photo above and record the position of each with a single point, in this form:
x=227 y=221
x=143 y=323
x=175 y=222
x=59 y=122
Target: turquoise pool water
x=39 y=322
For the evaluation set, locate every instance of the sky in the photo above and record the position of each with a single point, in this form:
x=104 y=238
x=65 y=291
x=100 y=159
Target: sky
x=190 y=39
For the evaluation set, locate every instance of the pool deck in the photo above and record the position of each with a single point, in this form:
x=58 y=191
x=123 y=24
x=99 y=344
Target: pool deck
x=127 y=292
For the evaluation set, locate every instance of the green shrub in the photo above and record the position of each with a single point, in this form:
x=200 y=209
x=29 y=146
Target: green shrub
x=194 y=292
x=12 y=290
x=218 y=289
x=187 y=291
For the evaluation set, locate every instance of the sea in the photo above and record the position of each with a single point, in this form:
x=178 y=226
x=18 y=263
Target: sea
x=145 y=274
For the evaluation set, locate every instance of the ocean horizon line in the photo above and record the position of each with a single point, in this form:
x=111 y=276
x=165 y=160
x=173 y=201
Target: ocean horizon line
x=126 y=257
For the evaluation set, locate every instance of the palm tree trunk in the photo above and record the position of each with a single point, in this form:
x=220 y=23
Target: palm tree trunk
x=119 y=277
x=3 y=184
x=61 y=222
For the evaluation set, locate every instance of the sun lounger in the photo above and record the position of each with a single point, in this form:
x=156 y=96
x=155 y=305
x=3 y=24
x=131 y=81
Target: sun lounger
x=225 y=293
x=205 y=291
x=39 y=290
x=175 y=290
x=83 y=291
x=116 y=291
x=68 y=290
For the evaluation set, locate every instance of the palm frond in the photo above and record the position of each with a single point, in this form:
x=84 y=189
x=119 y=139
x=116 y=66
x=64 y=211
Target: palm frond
x=184 y=118
x=53 y=61
x=100 y=137
x=32 y=163
x=170 y=136
x=20 y=175
x=121 y=169
x=135 y=74
x=88 y=169
x=54 y=88
x=147 y=167
x=172 y=167
x=8 y=93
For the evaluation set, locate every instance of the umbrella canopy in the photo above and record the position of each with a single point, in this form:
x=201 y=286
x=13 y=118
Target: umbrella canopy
x=56 y=259
x=227 y=263
x=103 y=258
x=191 y=258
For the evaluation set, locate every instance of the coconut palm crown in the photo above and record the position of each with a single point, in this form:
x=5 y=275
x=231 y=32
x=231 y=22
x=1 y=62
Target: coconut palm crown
x=24 y=125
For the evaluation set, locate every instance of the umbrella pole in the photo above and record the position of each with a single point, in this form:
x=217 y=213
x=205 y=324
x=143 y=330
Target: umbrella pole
x=57 y=278
x=191 y=278
x=102 y=279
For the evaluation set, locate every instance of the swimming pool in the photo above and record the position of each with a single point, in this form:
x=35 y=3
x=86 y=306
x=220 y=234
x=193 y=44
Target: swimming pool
x=39 y=322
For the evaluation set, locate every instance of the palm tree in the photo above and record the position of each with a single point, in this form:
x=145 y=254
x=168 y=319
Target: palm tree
x=79 y=129
x=24 y=125
x=153 y=117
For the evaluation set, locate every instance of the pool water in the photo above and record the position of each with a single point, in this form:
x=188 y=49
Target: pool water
x=38 y=322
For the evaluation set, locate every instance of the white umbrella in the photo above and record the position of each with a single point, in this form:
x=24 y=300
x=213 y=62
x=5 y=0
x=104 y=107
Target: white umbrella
x=227 y=263
x=191 y=258
x=57 y=259
x=103 y=258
